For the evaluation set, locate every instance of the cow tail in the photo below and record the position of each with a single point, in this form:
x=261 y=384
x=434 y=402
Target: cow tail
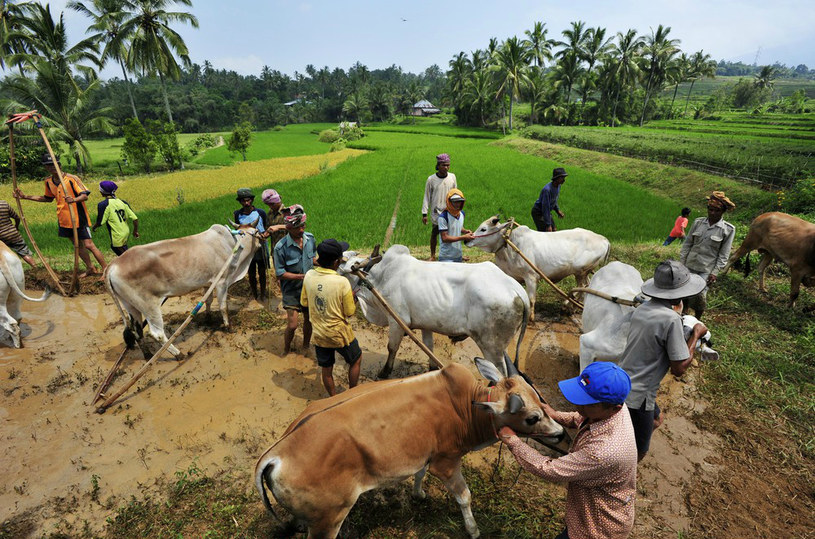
x=263 y=479
x=524 y=323
x=128 y=335
x=747 y=266
x=6 y=271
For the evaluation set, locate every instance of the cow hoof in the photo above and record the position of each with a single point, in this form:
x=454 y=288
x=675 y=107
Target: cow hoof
x=383 y=374
x=421 y=495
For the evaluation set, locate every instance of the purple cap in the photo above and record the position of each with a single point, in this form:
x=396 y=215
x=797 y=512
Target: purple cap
x=107 y=187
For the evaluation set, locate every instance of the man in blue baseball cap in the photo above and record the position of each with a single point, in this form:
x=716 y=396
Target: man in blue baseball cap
x=601 y=466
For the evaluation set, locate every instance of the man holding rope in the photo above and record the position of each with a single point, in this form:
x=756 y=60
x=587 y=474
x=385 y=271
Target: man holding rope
x=70 y=197
x=435 y=197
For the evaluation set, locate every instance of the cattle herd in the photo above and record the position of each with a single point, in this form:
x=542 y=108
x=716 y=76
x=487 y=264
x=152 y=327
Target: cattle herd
x=343 y=446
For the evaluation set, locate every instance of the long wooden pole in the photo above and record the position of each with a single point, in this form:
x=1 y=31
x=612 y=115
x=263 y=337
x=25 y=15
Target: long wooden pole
x=110 y=400
x=614 y=299
x=106 y=382
x=539 y=272
x=22 y=214
x=75 y=276
x=435 y=360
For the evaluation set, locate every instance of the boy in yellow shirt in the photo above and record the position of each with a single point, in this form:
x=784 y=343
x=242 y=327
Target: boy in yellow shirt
x=330 y=302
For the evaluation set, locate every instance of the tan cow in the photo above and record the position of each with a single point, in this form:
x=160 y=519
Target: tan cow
x=145 y=275
x=782 y=237
x=388 y=431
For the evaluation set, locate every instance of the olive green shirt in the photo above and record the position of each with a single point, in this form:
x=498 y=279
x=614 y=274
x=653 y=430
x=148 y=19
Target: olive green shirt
x=707 y=247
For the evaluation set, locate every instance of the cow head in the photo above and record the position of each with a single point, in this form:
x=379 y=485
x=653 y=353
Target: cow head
x=488 y=235
x=248 y=234
x=514 y=402
x=352 y=262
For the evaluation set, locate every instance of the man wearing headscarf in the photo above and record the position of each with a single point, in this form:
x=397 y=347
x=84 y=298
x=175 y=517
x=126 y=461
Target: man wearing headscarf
x=435 y=197
x=451 y=228
x=275 y=225
x=293 y=257
x=707 y=247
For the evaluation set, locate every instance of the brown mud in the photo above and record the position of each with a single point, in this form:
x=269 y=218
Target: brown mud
x=66 y=466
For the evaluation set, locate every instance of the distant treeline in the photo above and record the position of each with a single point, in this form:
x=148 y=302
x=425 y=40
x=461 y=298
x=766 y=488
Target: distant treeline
x=740 y=69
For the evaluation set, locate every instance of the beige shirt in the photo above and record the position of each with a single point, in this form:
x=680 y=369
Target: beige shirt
x=601 y=469
x=435 y=195
x=707 y=247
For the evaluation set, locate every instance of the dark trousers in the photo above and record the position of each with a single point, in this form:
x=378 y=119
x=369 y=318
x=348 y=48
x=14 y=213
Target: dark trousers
x=257 y=266
x=540 y=223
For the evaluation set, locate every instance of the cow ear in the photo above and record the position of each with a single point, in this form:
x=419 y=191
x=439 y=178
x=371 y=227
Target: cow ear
x=494 y=408
x=488 y=370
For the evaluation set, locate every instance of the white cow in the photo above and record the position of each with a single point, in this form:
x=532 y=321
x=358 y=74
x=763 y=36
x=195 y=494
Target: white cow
x=557 y=254
x=145 y=275
x=606 y=324
x=12 y=290
x=458 y=300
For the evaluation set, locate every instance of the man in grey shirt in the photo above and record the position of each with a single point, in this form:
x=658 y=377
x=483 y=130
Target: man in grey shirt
x=656 y=344
x=707 y=247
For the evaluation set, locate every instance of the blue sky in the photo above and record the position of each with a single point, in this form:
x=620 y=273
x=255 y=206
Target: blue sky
x=244 y=35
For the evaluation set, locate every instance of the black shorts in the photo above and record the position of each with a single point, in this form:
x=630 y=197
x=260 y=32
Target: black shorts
x=119 y=251
x=351 y=353
x=82 y=232
x=643 y=421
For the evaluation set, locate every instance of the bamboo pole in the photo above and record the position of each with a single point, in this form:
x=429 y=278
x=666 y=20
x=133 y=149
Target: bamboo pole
x=106 y=382
x=110 y=400
x=75 y=275
x=22 y=214
x=614 y=299
x=542 y=275
x=433 y=359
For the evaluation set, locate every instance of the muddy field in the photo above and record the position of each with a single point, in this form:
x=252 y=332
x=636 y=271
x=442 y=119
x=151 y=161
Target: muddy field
x=67 y=467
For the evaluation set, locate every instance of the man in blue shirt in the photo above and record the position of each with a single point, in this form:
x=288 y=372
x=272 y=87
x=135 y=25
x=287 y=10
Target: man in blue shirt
x=249 y=214
x=547 y=202
x=293 y=257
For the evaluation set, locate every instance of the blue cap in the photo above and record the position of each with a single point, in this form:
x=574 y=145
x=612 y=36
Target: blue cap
x=601 y=381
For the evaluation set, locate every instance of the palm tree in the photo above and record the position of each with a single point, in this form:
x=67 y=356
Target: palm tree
x=626 y=69
x=154 y=44
x=49 y=84
x=354 y=105
x=537 y=91
x=658 y=51
x=480 y=60
x=539 y=47
x=512 y=67
x=13 y=41
x=575 y=39
x=108 y=17
x=567 y=72
x=479 y=93
x=594 y=47
x=460 y=70
x=766 y=77
x=701 y=66
x=678 y=71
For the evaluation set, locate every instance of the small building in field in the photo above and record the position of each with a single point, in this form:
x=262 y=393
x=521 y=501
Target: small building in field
x=424 y=108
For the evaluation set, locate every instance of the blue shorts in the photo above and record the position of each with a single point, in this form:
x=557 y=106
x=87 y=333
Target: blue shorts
x=350 y=353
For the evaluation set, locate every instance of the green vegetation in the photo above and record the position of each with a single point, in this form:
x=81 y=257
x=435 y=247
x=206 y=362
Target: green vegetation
x=291 y=141
x=758 y=148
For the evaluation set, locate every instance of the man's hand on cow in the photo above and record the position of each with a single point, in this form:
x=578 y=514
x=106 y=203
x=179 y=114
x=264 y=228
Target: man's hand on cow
x=424 y=219
x=506 y=433
x=467 y=237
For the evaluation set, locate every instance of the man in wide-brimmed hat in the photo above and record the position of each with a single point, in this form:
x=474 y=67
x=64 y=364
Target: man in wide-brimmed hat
x=547 y=202
x=656 y=344
x=435 y=193
x=707 y=247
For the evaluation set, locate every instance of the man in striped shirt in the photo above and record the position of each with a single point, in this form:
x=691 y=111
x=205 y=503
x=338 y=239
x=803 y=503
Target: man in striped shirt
x=10 y=233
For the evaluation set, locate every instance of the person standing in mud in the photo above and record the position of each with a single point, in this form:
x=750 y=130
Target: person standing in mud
x=293 y=257
x=435 y=201
x=330 y=302
x=656 y=344
x=601 y=466
x=70 y=197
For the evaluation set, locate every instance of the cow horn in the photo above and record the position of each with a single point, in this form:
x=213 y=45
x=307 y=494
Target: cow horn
x=510 y=367
x=233 y=224
x=516 y=403
x=254 y=224
x=372 y=262
x=375 y=252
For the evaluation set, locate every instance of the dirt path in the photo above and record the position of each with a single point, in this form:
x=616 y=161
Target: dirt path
x=66 y=467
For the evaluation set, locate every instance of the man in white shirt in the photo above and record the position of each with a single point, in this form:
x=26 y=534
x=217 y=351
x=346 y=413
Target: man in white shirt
x=435 y=197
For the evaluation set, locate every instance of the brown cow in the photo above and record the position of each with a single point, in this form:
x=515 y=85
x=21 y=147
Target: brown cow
x=387 y=431
x=786 y=238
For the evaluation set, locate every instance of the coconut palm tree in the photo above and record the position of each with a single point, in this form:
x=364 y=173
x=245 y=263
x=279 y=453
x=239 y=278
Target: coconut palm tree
x=154 y=44
x=107 y=17
x=355 y=105
x=568 y=71
x=539 y=47
x=479 y=93
x=626 y=68
x=657 y=51
x=766 y=77
x=13 y=41
x=512 y=68
x=679 y=70
x=594 y=47
x=701 y=66
x=575 y=40
x=460 y=70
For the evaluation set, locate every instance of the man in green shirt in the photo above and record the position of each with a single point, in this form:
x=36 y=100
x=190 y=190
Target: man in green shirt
x=115 y=213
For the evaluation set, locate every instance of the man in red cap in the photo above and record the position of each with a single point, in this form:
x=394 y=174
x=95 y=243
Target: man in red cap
x=601 y=467
x=435 y=197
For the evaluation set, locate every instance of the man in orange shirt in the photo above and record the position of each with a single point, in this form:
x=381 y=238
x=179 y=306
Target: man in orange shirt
x=70 y=197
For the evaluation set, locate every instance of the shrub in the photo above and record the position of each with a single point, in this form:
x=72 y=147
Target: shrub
x=165 y=136
x=799 y=197
x=27 y=155
x=339 y=145
x=139 y=147
x=329 y=135
x=240 y=139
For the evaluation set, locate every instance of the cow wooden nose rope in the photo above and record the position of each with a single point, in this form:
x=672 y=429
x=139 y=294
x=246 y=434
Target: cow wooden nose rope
x=506 y=233
x=614 y=299
x=110 y=400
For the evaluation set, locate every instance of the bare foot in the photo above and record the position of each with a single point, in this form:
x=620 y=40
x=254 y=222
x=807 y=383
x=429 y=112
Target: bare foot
x=465 y=258
x=88 y=273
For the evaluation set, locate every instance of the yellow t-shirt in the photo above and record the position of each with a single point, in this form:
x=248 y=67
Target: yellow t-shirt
x=330 y=303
